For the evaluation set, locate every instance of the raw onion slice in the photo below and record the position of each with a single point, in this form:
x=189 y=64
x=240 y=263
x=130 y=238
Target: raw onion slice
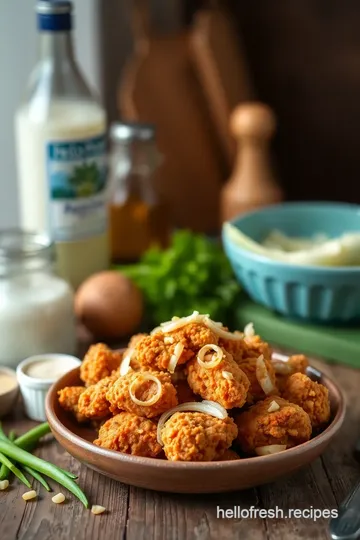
x=263 y=376
x=219 y=330
x=216 y=358
x=282 y=368
x=143 y=377
x=249 y=330
x=179 y=347
x=125 y=363
x=270 y=449
x=274 y=406
x=206 y=407
x=227 y=375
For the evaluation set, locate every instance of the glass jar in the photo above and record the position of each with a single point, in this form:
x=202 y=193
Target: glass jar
x=138 y=220
x=36 y=307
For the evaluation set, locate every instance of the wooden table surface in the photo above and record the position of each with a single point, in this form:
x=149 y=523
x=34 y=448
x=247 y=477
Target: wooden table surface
x=137 y=514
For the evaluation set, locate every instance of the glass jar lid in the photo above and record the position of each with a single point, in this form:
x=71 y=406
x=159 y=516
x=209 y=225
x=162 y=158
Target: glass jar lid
x=22 y=251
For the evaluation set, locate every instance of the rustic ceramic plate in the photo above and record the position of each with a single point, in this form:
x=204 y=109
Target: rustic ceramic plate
x=184 y=477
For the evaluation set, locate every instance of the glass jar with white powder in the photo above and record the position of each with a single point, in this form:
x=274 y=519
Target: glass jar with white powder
x=36 y=306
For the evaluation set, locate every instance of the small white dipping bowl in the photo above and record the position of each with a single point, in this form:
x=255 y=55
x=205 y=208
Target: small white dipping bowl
x=8 y=399
x=34 y=389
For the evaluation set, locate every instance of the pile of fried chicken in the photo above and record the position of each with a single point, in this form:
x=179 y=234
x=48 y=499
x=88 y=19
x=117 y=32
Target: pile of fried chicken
x=193 y=391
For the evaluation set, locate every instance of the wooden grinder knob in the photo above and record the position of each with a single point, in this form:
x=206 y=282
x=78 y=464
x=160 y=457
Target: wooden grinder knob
x=252 y=183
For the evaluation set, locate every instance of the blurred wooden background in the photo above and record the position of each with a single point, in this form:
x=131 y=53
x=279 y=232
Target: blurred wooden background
x=304 y=58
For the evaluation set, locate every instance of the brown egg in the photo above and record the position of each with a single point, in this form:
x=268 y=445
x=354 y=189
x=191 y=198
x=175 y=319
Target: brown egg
x=109 y=305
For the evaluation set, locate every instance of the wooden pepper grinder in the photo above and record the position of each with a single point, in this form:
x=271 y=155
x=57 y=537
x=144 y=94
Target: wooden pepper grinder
x=252 y=183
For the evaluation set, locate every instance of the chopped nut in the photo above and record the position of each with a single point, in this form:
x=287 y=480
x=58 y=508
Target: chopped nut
x=29 y=495
x=59 y=498
x=4 y=484
x=273 y=406
x=227 y=375
x=97 y=509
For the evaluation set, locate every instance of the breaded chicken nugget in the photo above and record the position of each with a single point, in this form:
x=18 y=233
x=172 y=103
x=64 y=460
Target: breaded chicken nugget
x=141 y=387
x=312 y=396
x=272 y=421
x=99 y=362
x=130 y=434
x=93 y=403
x=226 y=383
x=248 y=347
x=69 y=399
x=248 y=366
x=194 y=436
x=297 y=363
x=156 y=350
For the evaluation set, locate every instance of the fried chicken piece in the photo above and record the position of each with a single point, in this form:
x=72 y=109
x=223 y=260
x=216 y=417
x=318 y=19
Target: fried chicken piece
x=130 y=434
x=288 y=424
x=226 y=383
x=93 y=403
x=119 y=398
x=245 y=353
x=248 y=347
x=155 y=351
x=69 y=399
x=229 y=455
x=312 y=396
x=135 y=339
x=248 y=366
x=99 y=362
x=194 y=436
x=283 y=370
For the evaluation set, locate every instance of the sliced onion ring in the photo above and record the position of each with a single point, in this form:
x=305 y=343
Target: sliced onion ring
x=249 y=330
x=216 y=359
x=207 y=407
x=179 y=347
x=125 y=363
x=233 y=336
x=140 y=379
x=263 y=376
x=270 y=449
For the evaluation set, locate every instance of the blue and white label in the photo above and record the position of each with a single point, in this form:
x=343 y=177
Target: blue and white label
x=77 y=180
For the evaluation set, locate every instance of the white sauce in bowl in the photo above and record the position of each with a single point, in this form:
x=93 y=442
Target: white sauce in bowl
x=7 y=383
x=47 y=369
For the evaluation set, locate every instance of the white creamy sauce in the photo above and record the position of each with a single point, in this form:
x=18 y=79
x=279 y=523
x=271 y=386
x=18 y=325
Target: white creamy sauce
x=7 y=383
x=47 y=369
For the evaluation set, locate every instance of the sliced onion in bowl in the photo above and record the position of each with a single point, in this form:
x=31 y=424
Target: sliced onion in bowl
x=143 y=377
x=270 y=449
x=207 y=407
x=263 y=376
x=216 y=358
x=179 y=347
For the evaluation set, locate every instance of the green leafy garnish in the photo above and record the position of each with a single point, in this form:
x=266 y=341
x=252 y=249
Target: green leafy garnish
x=193 y=274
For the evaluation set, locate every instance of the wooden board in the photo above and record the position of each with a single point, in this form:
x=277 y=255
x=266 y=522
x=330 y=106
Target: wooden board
x=221 y=66
x=159 y=86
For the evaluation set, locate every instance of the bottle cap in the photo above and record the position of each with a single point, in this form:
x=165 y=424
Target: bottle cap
x=54 y=15
x=132 y=131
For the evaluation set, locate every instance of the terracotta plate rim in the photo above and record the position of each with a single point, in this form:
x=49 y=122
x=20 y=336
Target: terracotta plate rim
x=57 y=426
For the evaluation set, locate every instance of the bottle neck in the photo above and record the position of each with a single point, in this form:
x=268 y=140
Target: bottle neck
x=56 y=47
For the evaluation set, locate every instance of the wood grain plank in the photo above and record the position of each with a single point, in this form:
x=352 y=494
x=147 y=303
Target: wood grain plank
x=165 y=516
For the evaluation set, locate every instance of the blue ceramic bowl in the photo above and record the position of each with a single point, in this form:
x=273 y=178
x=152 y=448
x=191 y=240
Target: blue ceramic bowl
x=326 y=294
